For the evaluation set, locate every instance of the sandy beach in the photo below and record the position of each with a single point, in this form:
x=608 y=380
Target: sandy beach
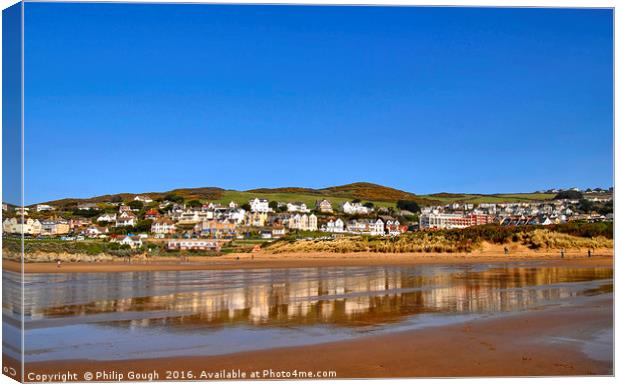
x=522 y=344
x=488 y=254
x=547 y=341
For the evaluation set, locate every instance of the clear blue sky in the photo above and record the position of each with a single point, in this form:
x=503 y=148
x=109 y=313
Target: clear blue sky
x=135 y=98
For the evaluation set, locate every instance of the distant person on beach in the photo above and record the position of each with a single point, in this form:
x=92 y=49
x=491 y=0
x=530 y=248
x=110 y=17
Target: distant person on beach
x=505 y=251
x=58 y=263
x=589 y=253
x=562 y=253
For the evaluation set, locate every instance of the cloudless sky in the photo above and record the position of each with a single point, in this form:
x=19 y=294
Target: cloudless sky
x=138 y=98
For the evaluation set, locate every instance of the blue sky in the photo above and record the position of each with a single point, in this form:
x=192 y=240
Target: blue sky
x=11 y=105
x=136 y=98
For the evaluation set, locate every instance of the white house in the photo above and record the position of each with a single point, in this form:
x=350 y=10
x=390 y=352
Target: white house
x=44 y=208
x=294 y=222
x=126 y=219
x=132 y=241
x=236 y=214
x=107 y=218
x=368 y=227
x=297 y=207
x=377 y=227
x=193 y=217
x=303 y=222
x=143 y=198
x=27 y=227
x=313 y=223
x=336 y=226
x=95 y=231
x=22 y=211
x=163 y=226
x=259 y=205
x=355 y=208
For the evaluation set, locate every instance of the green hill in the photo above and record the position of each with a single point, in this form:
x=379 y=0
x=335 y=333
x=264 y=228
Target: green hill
x=378 y=194
x=361 y=191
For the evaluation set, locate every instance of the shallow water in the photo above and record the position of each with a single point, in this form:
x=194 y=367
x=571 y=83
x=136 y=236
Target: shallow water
x=178 y=313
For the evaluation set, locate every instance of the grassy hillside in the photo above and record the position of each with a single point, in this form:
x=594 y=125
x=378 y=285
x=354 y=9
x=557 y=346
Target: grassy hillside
x=448 y=198
x=378 y=194
x=208 y=193
x=361 y=191
x=309 y=199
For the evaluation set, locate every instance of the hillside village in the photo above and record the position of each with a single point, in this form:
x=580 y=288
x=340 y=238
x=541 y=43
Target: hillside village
x=178 y=224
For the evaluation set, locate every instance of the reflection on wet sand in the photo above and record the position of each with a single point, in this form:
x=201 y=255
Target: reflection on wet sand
x=345 y=296
x=177 y=313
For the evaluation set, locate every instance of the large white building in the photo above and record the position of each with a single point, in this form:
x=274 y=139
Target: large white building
x=335 y=226
x=163 y=226
x=355 y=208
x=107 y=218
x=27 y=227
x=367 y=227
x=259 y=205
x=303 y=222
x=44 y=208
x=452 y=220
x=297 y=207
x=143 y=198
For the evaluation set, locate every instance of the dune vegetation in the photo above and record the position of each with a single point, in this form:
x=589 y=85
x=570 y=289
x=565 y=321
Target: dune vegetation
x=569 y=236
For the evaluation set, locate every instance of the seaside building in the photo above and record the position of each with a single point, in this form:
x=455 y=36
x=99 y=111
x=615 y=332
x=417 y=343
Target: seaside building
x=367 y=227
x=189 y=244
x=324 y=206
x=54 y=227
x=256 y=219
x=126 y=219
x=143 y=198
x=334 y=226
x=303 y=222
x=95 y=231
x=217 y=229
x=355 y=208
x=259 y=205
x=107 y=218
x=44 y=208
x=163 y=226
x=19 y=226
x=452 y=220
x=297 y=207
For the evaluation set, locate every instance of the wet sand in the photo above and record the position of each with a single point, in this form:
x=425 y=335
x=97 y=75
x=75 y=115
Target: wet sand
x=301 y=260
x=510 y=345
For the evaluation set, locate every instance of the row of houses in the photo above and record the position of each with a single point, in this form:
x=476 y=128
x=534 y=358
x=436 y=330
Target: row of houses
x=463 y=220
x=262 y=205
x=375 y=227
